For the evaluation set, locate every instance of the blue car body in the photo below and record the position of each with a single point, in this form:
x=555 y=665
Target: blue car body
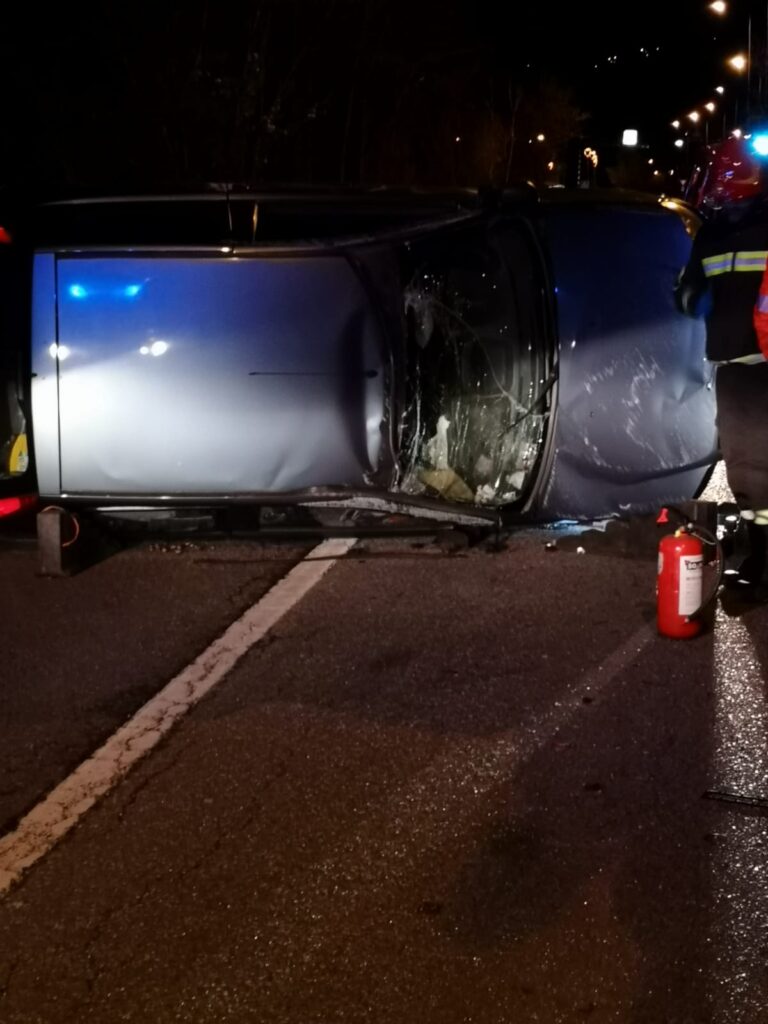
x=464 y=356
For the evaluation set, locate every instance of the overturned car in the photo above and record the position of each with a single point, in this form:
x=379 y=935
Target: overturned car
x=467 y=355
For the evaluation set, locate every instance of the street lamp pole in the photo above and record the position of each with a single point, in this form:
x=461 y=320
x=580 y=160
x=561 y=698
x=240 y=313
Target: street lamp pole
x=749 y=66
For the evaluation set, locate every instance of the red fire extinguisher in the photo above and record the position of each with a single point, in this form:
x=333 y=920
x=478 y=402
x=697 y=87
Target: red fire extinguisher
x=679 y=585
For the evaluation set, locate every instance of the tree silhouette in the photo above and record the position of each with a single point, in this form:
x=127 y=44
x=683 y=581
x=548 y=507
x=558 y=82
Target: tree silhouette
x=339 y=91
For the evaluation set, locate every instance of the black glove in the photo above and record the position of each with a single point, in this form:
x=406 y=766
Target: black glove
x=686 y=297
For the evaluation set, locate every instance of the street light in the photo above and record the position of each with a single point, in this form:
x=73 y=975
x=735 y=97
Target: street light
x=695 y=116
x=719 y=90
x=675 y=125
x=710 y=107
x=743 y=62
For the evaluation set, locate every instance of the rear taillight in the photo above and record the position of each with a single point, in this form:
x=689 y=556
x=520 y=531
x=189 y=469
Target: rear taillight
x=5 y=238
x=10 y=506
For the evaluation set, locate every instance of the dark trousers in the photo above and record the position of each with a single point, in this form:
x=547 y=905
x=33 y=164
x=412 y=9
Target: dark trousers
x=742 y=421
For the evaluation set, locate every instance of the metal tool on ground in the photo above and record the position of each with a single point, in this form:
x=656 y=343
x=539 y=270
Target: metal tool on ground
x=737 y=798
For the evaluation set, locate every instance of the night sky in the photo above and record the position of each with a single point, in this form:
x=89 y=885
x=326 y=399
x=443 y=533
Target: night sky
x=343 y=90
x=685 y=50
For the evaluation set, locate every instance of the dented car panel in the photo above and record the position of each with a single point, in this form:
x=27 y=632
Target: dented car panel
x=635 y=424
x=511 y=356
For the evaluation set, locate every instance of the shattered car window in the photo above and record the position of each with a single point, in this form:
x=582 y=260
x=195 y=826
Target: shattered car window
x=479 y=371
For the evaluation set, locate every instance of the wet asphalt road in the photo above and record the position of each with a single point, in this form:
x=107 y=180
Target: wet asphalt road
x=80 y=655
x=450 y=786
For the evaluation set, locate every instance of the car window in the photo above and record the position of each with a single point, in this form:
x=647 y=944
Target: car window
x=478 y=354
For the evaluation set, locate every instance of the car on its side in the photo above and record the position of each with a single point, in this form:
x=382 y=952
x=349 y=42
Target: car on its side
x=467 y=355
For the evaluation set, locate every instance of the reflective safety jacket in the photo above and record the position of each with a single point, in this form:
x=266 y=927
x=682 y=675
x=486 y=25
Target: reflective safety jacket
x=727 y=264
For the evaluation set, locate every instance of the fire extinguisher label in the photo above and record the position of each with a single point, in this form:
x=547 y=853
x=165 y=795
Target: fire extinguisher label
x=689 y=599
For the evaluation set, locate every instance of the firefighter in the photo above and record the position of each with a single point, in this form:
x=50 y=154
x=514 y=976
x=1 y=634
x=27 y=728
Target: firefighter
x=721 y=281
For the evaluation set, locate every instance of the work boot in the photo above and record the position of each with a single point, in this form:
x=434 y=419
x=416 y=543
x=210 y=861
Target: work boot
x=736 y=602
x=752 y=569
x=730 y=528
x=747 y=585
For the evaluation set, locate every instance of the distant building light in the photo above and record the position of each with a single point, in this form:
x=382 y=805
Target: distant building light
x=591 y=155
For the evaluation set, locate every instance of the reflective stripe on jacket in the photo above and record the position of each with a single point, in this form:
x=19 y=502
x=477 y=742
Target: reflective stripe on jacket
x=735 y=262
x=727 y=264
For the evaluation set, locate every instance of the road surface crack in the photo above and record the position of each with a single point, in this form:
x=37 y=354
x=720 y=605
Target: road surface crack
x=150 y=777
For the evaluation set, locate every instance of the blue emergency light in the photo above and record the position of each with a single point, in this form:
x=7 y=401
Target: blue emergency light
x=759 y=143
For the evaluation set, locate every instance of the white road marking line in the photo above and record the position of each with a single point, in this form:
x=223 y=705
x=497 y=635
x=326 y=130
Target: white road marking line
x=741 y=861
x=717 y=489
x=51 y=819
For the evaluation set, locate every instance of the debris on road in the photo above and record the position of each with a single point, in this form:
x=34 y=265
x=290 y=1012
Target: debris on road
x=737 y=798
